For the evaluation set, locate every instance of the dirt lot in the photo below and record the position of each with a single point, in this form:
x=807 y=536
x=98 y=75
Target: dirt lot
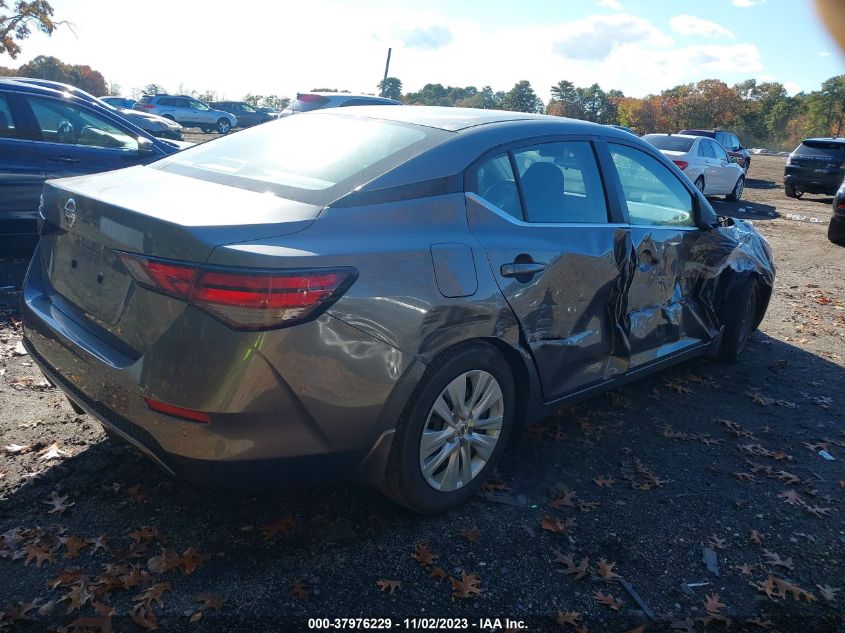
x=701 y=461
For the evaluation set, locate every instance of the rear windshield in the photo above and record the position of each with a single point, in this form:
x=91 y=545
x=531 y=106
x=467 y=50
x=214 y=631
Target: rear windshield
x=828 y=149
x=669 y=143
x=707 y=133
x=315 y=159
x=308 y=102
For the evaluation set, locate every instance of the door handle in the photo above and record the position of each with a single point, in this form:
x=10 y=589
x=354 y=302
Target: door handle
x=528 y=269
x=67 y=160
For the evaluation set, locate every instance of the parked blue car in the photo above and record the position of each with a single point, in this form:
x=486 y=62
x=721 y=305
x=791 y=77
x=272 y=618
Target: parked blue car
x=47 y=132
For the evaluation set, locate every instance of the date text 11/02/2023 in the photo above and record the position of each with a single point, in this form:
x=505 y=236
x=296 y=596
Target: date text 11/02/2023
x=436 y=624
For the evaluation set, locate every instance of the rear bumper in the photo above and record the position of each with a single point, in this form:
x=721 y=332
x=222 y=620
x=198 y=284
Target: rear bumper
x=827 y=184
x=272 y=419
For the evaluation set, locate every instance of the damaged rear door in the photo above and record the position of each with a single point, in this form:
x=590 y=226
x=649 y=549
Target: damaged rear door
x=541 y=213
x=662 y=311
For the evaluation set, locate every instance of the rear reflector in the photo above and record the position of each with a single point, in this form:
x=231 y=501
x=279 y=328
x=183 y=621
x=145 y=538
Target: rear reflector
x=681 y=163
x=177 y=412
x=244 y=298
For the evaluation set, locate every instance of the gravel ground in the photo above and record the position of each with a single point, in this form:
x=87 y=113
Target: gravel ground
x=702 y=461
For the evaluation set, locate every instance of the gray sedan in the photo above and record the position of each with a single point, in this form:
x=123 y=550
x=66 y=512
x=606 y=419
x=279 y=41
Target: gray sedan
x=390 y=297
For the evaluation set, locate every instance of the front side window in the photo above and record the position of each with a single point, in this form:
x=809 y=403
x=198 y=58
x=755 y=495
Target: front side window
x=71 y=124
x=561 y=183
x=198 y=105
x=497 y=185
x=7 y=123
x=653 y=194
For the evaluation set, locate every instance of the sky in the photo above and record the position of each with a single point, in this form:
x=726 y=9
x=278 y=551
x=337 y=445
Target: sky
x=637 y=46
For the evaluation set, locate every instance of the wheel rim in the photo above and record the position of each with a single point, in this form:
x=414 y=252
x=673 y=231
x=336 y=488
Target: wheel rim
x=740 y=186
x=462 y=430
x=223 y=127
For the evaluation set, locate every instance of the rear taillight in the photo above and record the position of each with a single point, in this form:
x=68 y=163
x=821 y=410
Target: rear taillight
x=147 y=106
x=242 y=298
x=681 y=163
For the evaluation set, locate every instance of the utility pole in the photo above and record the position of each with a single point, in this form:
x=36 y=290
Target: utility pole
x=386 y=68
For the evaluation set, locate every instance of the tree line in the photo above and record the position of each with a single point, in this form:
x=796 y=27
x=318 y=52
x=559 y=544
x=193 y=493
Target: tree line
x=763 y=114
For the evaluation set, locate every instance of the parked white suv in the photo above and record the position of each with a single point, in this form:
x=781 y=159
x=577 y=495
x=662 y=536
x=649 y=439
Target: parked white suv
x=188 y=112
x=704 y=161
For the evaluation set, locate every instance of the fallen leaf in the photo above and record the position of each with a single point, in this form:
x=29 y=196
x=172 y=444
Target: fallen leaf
x=17 y=449
x=817 y=511
x=423 y=555
x=712 y=604
x=51 y=452
x=58 y=503
x=714 y=542
x=389 y=585
x=791 y=497
x=470 y=534
x=606 y=570
x=775 y=560
x=210 y=600
x=570 y=618
x=566 y=498
x=776 y=588
x=745 y=476
x=466 y=587
x=191 y=560
x=828 y=592
x=558 y=526
x=74 y=545
x=283 y=526
x=755 y=537
x=746 y=569
x=144 y=616
x=570 y=567
x=153 y=593
x=138 y=496
x=439 y=573
x=607 y=600
x=763 y=624
x=604 y=481
x=298 y=589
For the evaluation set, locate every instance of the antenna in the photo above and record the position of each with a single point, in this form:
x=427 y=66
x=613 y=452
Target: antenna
x=386 y=68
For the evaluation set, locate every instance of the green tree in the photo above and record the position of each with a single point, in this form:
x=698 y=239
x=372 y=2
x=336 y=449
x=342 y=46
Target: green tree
x=521 y=98
x=16 y=23
x=153 y=89
x=390 y=88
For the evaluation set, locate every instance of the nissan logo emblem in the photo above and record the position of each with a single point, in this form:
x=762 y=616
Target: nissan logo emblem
x=70 y=212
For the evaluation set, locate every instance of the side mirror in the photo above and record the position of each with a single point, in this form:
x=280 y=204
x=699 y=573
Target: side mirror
x=145 y=146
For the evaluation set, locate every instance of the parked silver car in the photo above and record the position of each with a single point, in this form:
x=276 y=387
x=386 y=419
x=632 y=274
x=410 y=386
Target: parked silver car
x=188 y=112
x=309 y=101
x=386 y=292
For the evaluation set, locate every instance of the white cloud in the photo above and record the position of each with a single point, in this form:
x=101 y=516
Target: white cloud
x=283 y=56
x=691 y=25
x=595 y=37
x=746 y=3
x=615 y=5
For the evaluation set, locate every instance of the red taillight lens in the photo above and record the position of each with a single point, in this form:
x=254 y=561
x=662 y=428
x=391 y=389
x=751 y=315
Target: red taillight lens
x=242 y=298
x=681 y=163
x=147 y=106
x=177 y=412
x=166 y=277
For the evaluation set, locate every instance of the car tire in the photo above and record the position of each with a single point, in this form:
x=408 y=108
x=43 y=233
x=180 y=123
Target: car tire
x=792 y=191
x=699 y=184
x=223 y=126
x=456 y=468
x=836 y=230
x=736 y=194
x=741 y=311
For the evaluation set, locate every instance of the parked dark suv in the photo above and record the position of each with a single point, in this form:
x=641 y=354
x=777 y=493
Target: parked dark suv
x=816 y=166
x=836 y=230
x=246 y=114
x=730 y=142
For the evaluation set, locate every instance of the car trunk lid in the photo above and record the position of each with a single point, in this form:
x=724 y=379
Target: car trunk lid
x=87 y=221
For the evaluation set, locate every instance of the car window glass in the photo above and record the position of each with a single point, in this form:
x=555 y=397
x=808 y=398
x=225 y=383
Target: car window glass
x=7 y=123
x=719 y=151
x=198 y=105
x=705 y=149
x=653 y=194
x=561 y=183
x=245 y=107
x=497 y=185
x=70 y=124
x=735 y=144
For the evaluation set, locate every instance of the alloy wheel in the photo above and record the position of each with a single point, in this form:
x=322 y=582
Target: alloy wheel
x=461 y=431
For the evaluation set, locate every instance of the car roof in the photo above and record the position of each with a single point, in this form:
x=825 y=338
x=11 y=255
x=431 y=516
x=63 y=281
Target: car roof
x=677 y=135
x=457 y=119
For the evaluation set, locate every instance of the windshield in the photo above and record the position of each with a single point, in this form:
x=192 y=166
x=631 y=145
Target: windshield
x=306 y=103
x=828 y=149
x=197 y=105
x=312 y=159
x=670 y=143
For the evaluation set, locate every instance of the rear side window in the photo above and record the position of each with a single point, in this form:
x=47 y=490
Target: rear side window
x=7 y=123
x=653 y=194
x=705 y=149
x=561 y=183
x=315 y=159
x=70 y=124
x=497 y=185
